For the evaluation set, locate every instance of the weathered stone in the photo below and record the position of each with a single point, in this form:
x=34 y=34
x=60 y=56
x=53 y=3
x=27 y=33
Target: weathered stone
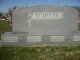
x=45 y=20
x=43 y=24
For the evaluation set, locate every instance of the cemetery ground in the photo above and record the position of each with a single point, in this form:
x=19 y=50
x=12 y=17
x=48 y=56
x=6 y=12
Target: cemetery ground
x=40 y=53
x=37 y=52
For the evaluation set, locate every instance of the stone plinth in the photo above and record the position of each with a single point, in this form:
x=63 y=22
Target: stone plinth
x=26 y=39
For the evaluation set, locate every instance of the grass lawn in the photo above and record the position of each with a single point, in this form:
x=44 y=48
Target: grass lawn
x=40 y=53
x=4 y=27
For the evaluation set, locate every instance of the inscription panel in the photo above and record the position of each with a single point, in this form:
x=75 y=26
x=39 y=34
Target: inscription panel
x=46 y=15
x=57 y=38
x=76 y=38
x=33 y=38
x=10 y=39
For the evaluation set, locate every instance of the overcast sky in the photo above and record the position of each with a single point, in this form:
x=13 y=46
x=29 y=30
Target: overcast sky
x=5 y=4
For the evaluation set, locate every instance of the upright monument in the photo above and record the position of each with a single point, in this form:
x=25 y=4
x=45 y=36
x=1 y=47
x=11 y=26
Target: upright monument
x=43 y=24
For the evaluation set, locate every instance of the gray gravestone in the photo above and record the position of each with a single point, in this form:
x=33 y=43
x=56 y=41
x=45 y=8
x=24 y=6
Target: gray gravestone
x=44 y=24
x=45 y=20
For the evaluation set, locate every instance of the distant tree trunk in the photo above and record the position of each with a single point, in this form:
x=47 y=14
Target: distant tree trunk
x=0 y=14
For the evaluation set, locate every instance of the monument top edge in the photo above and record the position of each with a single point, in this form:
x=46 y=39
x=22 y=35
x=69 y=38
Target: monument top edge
x=46 y=6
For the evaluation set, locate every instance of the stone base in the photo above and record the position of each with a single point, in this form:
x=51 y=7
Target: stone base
x=10 y=38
